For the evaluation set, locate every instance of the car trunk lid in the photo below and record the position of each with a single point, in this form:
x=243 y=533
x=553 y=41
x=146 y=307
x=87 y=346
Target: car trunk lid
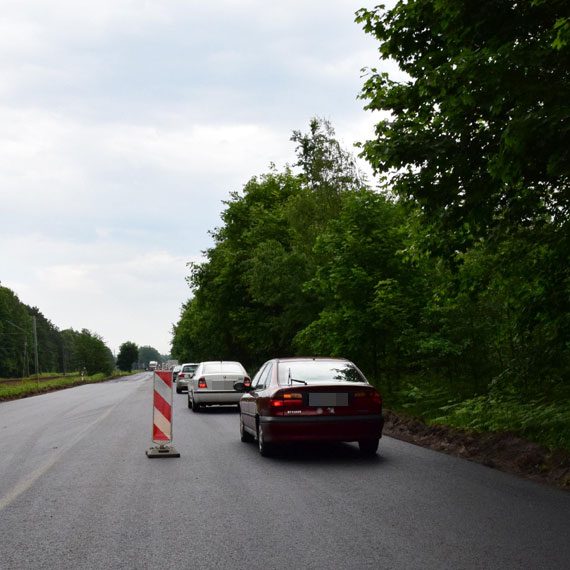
x=331 y=399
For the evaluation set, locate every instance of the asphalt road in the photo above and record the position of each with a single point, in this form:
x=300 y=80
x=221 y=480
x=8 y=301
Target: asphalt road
x=78 y=492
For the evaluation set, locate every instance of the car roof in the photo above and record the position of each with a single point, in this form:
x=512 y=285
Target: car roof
x=218 y=361
x=311 y=358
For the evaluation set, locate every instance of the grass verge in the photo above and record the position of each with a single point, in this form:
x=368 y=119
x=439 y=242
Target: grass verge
x=25 y=387
x=544 y=420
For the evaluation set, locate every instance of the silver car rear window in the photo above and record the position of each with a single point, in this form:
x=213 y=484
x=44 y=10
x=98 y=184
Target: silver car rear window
x=223 y=368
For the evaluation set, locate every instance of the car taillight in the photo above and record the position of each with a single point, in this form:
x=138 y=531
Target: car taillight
x=293 y=396
x=372 y=396
x=202 y=383
x=246 y=382
x=181 y=375
x=286 y=399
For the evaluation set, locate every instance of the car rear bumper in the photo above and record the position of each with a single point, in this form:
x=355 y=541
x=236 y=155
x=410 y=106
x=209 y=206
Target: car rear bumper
x=323 y=428
x=219 y=397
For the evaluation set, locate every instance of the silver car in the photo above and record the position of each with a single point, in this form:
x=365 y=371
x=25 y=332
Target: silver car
x=213 y=384
x=185 y=375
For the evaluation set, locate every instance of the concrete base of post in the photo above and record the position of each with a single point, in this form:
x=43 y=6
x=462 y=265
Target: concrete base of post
x=162 y=451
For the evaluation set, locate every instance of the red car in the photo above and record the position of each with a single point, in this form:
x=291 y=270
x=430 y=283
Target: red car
x=310 y=399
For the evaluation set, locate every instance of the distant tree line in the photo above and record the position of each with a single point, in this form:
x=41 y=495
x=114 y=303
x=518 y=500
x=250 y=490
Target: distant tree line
x=59 y=351
x=132 y=357
x=452 y=279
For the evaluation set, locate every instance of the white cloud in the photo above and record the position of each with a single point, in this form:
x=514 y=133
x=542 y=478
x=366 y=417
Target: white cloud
x=125 y=123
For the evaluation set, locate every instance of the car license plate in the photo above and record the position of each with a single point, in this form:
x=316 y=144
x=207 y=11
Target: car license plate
x=328 y=399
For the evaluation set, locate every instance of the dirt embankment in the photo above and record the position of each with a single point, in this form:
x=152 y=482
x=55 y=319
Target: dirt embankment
x=499 y=450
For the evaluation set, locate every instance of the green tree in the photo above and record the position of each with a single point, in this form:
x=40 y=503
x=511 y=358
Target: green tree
x=128 y=356
x=477 y=136
x=49 y=343
x=479 y=132
x=146 y=354
x=16 y=340
x=92 y=354
x=369 y=292
x=249 y=297
x=69 y=360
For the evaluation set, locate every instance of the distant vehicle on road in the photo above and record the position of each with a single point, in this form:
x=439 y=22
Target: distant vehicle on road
x=175 y=372
x=185 y=375
x=213 y=384
x=153 y=365
x=310 y=399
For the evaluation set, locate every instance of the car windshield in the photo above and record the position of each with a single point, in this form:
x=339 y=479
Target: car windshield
x=223 y=368
x=318 y=372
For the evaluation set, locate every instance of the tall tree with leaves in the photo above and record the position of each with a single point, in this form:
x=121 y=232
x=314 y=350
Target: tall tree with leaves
x=250 y=299
x=146 y=354
x=128 y=355
x=478 y=136
x=92 y=354
x=16 y=340
x=369 y=293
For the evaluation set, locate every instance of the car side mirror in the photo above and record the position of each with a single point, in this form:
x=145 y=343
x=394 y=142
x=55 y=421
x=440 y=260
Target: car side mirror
x=241 y=387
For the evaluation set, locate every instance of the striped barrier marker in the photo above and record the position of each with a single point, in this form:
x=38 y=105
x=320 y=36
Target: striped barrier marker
x=162 y=415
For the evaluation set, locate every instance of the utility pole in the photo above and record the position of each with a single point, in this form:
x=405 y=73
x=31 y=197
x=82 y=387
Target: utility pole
x=36 y=352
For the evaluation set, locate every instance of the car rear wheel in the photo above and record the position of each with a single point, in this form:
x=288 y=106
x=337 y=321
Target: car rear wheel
x=178 y=390
x=244 y=435
x=368 y=447
x=195 y=407
x=189 y=402
x=265 y=448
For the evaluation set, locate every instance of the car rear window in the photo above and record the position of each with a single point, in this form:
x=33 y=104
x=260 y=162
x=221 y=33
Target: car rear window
x=223 y=367
x=318 y=372
x=189 y=368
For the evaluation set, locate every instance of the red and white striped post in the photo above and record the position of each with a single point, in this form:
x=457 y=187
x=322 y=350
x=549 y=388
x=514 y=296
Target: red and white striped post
x=162 y=415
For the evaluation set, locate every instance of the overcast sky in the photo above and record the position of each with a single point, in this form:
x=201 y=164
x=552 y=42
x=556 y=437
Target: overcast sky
x=125 y=123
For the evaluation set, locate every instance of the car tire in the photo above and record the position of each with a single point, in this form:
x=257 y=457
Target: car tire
x=368 y=447
x=195 y=407
x=189 y=402
x=245 y=436
x=178 y=390
x=265 y=448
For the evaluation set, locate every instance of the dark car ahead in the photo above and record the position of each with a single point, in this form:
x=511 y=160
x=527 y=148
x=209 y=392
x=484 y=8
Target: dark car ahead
x=310 y=399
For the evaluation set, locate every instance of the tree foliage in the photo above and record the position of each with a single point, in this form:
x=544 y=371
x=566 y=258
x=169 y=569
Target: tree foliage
x=128 y=356
x=16 y=339
x=58 y=351
x=479 y=135
x=478 y=138
x=249 y=297
x=441 y=333
x=91 y=353
x=307 y=261
x=146 y=354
